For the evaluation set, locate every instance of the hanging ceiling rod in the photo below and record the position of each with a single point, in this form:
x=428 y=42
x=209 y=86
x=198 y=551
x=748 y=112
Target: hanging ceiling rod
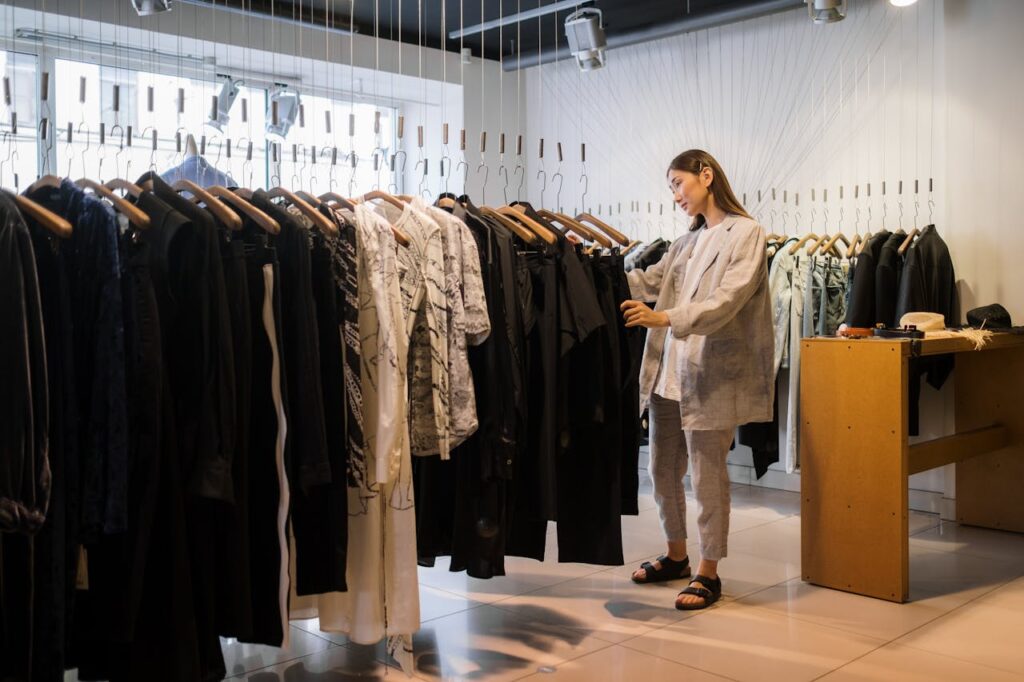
x=518 y=17
x=316 y=19
x=100 y=46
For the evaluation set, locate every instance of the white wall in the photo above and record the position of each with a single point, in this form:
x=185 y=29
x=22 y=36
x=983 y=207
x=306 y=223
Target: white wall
x=780 y=102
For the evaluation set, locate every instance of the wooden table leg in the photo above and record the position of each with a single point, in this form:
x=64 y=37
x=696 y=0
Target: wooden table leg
x=853 y=467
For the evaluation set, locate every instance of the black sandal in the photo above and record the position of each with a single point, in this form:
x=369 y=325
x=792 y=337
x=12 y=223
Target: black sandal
x=670 y=570
x=710 y=593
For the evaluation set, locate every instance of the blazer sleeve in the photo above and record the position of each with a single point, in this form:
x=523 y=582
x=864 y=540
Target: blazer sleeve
x=644 y=285
x=746 y=271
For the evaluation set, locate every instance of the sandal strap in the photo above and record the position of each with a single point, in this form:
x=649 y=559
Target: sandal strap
x=665 y=560
x=702 y=592
x=713 y=584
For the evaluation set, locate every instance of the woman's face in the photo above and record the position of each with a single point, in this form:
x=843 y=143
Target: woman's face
x=690 y=191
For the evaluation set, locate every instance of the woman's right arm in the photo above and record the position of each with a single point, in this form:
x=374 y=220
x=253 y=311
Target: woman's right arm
x=644 y=285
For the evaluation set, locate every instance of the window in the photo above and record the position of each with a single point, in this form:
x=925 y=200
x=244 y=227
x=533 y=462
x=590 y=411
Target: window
x=19 y=158
x=299 y=169
x=133 y=105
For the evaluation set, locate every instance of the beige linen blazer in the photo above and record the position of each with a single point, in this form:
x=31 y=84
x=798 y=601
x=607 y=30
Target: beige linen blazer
x=723 y=320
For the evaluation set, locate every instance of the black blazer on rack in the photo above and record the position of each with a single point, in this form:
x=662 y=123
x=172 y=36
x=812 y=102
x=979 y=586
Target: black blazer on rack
x=861 y=310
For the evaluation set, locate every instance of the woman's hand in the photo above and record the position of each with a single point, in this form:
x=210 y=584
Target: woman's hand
x=637 y=314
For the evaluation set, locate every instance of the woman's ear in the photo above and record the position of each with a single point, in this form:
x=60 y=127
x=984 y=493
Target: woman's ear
x=707 y=177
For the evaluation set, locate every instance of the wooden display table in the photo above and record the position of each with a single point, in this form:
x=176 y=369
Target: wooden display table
x=855 y=458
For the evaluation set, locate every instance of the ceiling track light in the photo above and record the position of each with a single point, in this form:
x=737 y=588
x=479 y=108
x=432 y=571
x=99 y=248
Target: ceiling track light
x=586 y=38
x=826 y=11
x=902 y=3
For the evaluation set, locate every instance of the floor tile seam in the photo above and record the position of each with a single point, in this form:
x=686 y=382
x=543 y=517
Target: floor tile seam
x=962 y=660
x=805 y=619
x=670 y=660
x=853 y=660
x=923 y=651
x=948 y=614
x=761 y=525
x=960 y=550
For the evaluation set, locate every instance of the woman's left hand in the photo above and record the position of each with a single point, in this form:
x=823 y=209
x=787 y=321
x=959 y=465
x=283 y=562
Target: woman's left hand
x=637 y=314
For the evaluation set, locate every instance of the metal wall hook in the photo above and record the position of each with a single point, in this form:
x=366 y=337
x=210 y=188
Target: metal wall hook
x=465 y=173
x=483 y=187
x=931 y=210
x=502 y=170
x=522 y=179
x=405 y=158
x=544 y=185
x=423 y=178
x=447 y=177
x=220 y=148
x=353 y=159
x=558 y=194
x=586 y=187
x=771 y=221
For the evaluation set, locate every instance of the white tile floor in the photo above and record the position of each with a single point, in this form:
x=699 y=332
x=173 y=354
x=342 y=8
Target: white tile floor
x=576 y=622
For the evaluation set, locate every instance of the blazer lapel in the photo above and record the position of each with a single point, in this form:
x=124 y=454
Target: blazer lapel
x=710 y=255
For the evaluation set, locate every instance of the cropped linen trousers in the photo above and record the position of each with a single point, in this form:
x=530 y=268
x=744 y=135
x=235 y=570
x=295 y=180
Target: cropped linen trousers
x=673 y=451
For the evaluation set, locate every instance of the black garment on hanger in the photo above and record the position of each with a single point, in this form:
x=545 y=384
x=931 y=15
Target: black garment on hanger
x=233 y=579
x=202 y=373
x=25 y=478
x=323 y=568
x=152 y=619
x=861 y=311
x=306 y=451
x=267 y=404
x=55 y=547
x=631 y=348
x=589 y=486
x=887 y=279
x=651 y=254
x=928 y=283
x=208 y=469
x=91 y=262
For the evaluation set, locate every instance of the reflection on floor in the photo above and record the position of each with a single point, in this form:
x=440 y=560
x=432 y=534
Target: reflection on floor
x=576 y=622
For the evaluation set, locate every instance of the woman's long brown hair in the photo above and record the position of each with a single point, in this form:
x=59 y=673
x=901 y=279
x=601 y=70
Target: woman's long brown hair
x=696 y=160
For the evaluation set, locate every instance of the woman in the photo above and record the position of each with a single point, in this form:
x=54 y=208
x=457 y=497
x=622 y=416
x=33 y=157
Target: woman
x=707 y=365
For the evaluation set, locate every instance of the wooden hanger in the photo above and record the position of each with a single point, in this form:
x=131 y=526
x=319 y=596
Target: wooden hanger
x=44 y=216
x=318 y=218
x=604 y=227
x=520 y=231
x=576 y=226
x=328 y=197
x=852 y=251
x=446 y=202
x=215 y=205
x=240 y=201
x=134 y=214
x=538 y=229
x=863 y=243
x=632 y=247
x=830 y=245
x=120 y=183
x=908 y=241
x=308 y=198
x=401 y=237
x=800 y=243
x=383 y=196
x=51 y=181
